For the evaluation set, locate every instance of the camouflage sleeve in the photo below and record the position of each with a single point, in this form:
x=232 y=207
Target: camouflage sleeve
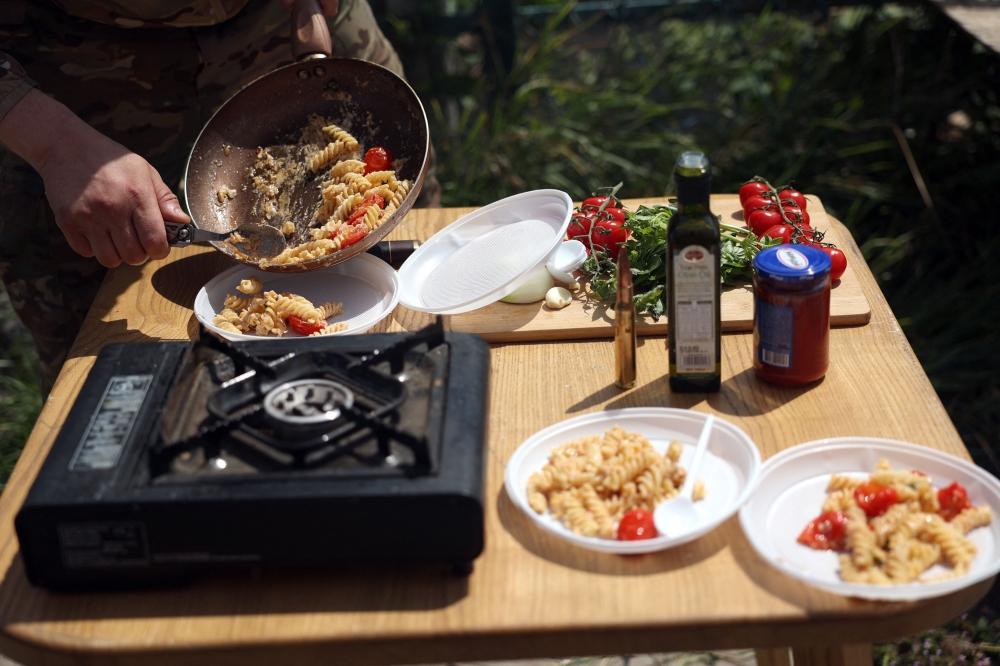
x=14 y=83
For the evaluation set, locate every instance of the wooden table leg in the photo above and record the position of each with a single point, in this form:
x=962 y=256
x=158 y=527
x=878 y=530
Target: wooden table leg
x=858 y=654
x=773 y=656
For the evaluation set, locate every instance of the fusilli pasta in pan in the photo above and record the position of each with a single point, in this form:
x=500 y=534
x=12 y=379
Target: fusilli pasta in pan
x=354 y=203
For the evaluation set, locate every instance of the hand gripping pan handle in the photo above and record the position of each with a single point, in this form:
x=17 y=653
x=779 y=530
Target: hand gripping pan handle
x=310 y=34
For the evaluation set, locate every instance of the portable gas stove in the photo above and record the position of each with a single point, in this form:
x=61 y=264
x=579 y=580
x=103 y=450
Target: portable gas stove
x=180 y=457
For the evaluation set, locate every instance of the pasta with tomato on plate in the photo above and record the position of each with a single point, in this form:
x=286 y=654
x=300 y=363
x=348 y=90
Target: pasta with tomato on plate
x=893 y=526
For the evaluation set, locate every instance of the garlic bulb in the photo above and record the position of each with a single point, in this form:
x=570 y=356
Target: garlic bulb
x=558 y=298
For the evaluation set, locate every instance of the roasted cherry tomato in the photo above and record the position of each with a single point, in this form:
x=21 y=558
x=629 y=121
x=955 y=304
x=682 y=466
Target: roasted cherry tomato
x=755 y=202
x=763 y=219
x=793 y=195
x=609 y=234
x=826 y=532
x=303 y=327
x=838 y=262
x=353 y=236
x=377 y=159
x=358 y=214
x=875 y=498
x=953 y=500
x=782 y=231
x=636 y=524
x=750 y=189
x=374 y=200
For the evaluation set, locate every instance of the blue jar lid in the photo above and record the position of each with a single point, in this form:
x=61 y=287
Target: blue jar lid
x=792 y=264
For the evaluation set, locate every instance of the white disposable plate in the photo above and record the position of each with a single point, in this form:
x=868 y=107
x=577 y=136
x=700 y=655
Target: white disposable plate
x=485 y=255
x=729 y=469
x=368 y=288
x=791 y=490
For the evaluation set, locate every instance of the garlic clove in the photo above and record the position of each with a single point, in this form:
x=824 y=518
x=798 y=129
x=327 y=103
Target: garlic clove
x=558 y=298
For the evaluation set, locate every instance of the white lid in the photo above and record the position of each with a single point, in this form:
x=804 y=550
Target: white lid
x=486 y=254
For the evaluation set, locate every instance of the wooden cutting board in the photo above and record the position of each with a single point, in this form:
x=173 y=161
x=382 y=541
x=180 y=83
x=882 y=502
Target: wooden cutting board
x=590 y=317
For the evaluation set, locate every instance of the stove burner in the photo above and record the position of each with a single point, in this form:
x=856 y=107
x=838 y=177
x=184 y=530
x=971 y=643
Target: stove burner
x=307 y=402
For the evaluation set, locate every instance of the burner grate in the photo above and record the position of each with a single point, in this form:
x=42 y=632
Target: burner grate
x=317 y=410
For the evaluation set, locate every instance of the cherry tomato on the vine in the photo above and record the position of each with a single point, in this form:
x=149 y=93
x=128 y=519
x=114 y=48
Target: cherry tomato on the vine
x=953 y=500
x=635 y=525
x=796 y=214
x=750 y=189
x=755 y=202
x=579 y=228
x=763 y=219
x=793 y=195
x=875 y=498
x=303 y=327
x=617 y=213
x=838 y=262
x=377 y=159
x=609 y=234
x=827 y=532
x=593 y=203
x=782 y=231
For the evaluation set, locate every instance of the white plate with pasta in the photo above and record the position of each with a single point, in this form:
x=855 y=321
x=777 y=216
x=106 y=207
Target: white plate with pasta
x=728 y=474
x=877 y=504
x=351 y=297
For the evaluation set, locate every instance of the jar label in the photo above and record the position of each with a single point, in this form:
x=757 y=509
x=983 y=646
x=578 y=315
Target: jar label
x=792 y=258
x=694 y=289
x=774 y=331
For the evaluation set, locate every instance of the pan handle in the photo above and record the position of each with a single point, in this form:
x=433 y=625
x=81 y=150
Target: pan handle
x=310 y=34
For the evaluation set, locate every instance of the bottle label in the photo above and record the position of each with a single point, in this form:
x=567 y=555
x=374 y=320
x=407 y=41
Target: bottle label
x=774 y=332
x=694 y=289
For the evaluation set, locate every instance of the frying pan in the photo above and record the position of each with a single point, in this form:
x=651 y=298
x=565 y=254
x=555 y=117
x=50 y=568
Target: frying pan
x=368 y=100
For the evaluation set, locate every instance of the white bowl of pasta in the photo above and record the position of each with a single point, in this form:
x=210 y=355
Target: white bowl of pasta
x=728 y=472
x=866 y=517
x=246 y=304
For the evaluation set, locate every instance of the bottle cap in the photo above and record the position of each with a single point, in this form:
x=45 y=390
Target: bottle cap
x=692 y=164
x=792 y=264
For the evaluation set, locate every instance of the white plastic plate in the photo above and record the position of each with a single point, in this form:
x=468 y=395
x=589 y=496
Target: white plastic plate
x=729 y=469
x=368 y=288
x=791 y=490
x=485 y=255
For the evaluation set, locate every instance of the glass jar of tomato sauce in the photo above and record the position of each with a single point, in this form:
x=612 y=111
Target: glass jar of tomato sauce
x=791 y=314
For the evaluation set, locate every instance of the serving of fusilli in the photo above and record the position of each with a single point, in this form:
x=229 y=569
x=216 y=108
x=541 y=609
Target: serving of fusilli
x=592 y=482
x=259 y=312
x=894 y=526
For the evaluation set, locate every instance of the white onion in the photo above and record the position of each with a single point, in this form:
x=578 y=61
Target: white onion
x=538 y=283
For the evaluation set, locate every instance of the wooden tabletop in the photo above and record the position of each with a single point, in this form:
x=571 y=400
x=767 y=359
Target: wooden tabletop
x=530 y=594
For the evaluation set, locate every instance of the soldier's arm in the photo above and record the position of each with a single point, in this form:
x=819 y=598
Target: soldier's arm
x=109 y=202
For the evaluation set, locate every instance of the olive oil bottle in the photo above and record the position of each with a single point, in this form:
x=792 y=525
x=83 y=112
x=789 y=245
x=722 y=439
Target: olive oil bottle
x=694 y=309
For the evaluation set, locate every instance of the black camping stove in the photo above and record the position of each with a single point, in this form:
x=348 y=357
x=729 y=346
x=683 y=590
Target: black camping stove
x=329 y=451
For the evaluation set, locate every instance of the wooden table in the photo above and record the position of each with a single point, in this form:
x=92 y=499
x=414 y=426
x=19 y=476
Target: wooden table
x=530 y=594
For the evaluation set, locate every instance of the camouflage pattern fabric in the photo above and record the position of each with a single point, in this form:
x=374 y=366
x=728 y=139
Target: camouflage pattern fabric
x=150 y=89
x=153 y=13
